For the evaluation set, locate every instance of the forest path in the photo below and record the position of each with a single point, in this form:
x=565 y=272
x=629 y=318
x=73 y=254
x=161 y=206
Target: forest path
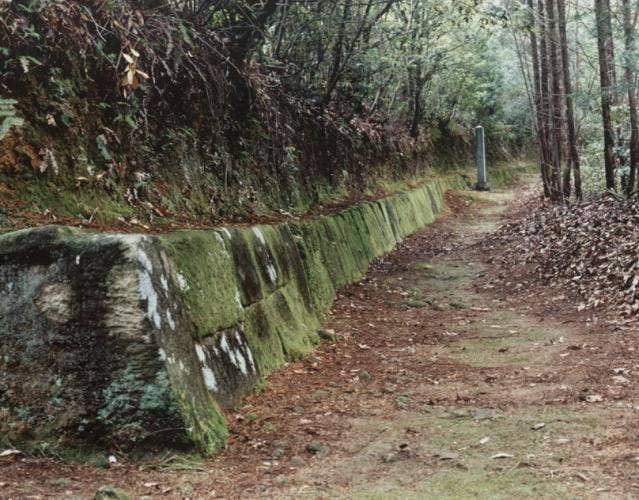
x=440 y=385
x=444 y=386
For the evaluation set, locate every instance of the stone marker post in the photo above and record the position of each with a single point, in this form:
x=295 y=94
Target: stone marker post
x=480 y=158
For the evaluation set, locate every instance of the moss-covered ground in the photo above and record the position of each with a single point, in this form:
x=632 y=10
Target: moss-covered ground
x=165 y=204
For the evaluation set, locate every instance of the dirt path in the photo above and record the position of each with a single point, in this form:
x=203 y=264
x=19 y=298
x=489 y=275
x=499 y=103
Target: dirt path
x=441 y=385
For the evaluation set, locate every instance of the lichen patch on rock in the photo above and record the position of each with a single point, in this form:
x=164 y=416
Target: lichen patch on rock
x=55 y=301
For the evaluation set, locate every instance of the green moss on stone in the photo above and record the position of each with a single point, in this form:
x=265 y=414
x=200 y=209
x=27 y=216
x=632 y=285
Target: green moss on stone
x=207 y=273
x=263 y=338
x=274 y=283
x=253 y=286
x=320 y=284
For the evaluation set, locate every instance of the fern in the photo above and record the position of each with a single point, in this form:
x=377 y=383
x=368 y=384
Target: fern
x=8 y=116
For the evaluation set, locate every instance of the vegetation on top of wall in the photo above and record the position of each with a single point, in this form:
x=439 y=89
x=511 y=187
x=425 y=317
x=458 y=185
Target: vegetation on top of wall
x=149 y=113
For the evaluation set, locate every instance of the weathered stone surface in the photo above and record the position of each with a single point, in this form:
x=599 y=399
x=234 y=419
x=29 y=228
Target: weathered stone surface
x=134 y=339
x=95 y=342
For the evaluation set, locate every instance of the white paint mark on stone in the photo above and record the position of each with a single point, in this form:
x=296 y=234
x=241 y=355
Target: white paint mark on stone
x=207 y=373
x=259 y=235
x=162 y=353
x=209 y=379
x=184 y=286
x=247 y=348
x=236 y=356
x=165 y=283
x=272 y=273
x=219 y=238
x=77 y=260
x=201 y=355
x=238 y=338
x=225 y=345
x=144 y=261
x=169 y=320
x=249 y=355
x=148 y=293
x=241 y=362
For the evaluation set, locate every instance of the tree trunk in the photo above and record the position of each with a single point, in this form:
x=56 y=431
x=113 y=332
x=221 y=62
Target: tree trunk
x=281 y=30
x=416 y=86
x=602 y=14
x=539 y=112
x=629 y=76
x=610 y=47
x=556 y=131
x=570 y=114
x=545 y=97
x=338 y=54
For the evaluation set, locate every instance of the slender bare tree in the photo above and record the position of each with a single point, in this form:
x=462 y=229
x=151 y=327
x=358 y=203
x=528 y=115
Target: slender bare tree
x=629 y=27
x=538 y=104
x=573 y=151
x=555 y=101
x=605 y=52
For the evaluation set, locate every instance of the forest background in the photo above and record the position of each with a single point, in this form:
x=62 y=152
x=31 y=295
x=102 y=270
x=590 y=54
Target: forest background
x=148 y=112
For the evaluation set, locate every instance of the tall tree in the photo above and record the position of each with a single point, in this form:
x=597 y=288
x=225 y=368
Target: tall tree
x=629 y=26
x=570 y=114
x=605 y=52
x=364 y=18
x=555 y=101
x=537 y=98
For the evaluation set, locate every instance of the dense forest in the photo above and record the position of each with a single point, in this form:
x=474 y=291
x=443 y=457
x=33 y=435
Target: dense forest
x=584 y=93
x=212 y=108
x=230 y=107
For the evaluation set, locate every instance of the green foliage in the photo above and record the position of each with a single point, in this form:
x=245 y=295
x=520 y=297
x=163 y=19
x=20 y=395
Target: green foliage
x=239 y=108
x=8 y=116
x=410 y=63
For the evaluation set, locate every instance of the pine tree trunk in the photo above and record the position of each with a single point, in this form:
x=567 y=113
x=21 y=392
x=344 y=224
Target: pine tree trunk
x=629 y=76
x=570 y=114
x=555 y=77
x=604 y=36
x=546 y=102
x=539 y=112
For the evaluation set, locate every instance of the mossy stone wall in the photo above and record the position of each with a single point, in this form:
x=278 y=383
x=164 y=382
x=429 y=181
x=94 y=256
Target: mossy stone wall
x=137 y=340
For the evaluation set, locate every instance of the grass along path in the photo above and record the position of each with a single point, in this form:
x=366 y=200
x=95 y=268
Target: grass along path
x=440 y=386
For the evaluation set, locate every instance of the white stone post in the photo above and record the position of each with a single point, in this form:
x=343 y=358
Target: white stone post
x=480 y=158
